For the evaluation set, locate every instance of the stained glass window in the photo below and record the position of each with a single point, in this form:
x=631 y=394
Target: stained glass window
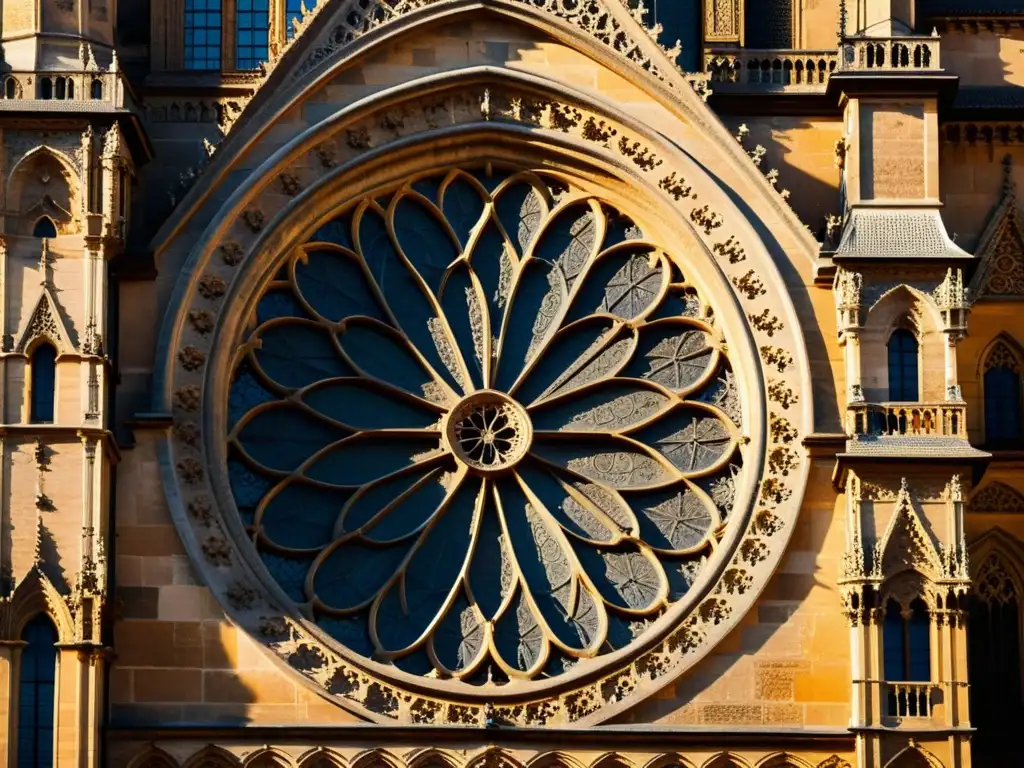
x=43 y=379
x=202 y=34
x=252 y=33
x=35 y=694
x=903 y=377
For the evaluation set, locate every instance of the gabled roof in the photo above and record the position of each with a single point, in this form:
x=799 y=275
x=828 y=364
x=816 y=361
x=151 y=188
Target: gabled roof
x=897 y=233
x=1000 y=251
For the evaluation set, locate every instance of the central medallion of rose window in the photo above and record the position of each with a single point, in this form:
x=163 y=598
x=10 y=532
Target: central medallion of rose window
x=488 y=432
x=483 y=428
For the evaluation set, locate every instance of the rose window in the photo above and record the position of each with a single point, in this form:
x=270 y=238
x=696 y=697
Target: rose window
x=482 y=428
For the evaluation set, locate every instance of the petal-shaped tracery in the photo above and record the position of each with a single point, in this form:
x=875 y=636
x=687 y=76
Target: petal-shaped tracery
x=482 y=428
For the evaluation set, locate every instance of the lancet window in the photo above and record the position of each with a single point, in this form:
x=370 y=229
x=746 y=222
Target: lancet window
x=1002 y=388
x=994 y=657
x=36 y=694
x=906 y=642
x=44 y=377
x=904 y=385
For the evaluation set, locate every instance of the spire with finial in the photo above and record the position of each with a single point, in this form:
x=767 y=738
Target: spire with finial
x=842 y=22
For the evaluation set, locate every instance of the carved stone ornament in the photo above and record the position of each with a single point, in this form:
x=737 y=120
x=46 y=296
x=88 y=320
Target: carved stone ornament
x=1000 y=251
x=561 y=462
x=45 y=322
x=997 y=497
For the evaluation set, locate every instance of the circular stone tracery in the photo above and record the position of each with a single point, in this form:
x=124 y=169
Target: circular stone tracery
x=483 y=428
x=488 y=432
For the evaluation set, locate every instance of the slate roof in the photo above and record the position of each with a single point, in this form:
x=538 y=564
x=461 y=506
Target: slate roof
x=912 y=447
x=887 y=233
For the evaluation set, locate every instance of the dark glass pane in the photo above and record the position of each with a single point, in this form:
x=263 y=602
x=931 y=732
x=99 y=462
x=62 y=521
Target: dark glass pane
x=893 y=656
x=903 y=374
x=45 y=228
x=36 y=694
x=1002 y=406
x=43 y=380
x=919 y=638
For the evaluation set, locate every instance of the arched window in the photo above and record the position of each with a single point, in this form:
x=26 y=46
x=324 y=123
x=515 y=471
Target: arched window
x=36 y=694
x=906 y=652
x=44 y=378
x=903 y=377
x=46 y=88
x=202 y=34
x=71 y=88
x=1003 y=423
x=96 y=90
x=10 y=88
x=994 y=661
x=60 y=92
x=44 y=228
x=252 y=33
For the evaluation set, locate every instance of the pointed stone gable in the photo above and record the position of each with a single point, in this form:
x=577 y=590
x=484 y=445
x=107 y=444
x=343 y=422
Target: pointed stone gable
x=1000 y=252
x=46 y=322
x=906 y=543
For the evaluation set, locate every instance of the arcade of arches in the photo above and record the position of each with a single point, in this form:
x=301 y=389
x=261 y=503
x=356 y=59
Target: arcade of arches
x=511 y=384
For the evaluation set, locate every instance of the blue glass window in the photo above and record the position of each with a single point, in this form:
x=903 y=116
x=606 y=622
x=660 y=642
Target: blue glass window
x=202 y=34
x=253 y=33
x=36 y=694
x=903 y=378
x=44 y=377
x=906 y=643
x=293 y=11
x=1002 y=406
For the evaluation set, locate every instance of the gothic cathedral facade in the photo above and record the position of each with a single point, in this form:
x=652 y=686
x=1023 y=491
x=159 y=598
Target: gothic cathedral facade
x=511 y=384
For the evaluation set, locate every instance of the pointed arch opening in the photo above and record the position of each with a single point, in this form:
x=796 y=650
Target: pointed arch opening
x=96 y=90
x=36 y=689
x=1003 y=394
x=44 y=228
x=10 y=88
x=43 y=382
x=46 y=89
x=904 y=370
x=994 y=644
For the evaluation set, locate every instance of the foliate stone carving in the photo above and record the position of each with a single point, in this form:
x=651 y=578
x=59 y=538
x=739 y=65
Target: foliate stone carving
x=232 y=253
x=766 y=322
x=212 y=286
x=731 y=250
x=1001 y=248
x=777 y=357
x=187 y=397
x=217 y=551
x=254 y=219
x=191 y=358
x=750 y=285
x=201 y=509
x=997 y=497
x=202 y=321
x=190 y=471
x=291 y=185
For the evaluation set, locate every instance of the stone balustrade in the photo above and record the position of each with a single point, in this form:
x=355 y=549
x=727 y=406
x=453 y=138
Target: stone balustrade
x=891 y=53
x=908 y=419
x=910 y=701
x=107 y=88
x=808 y=71
x=786 y=70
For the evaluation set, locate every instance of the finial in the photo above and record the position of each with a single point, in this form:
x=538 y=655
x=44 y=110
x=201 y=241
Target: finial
x=842 y=21
x=1009 y=188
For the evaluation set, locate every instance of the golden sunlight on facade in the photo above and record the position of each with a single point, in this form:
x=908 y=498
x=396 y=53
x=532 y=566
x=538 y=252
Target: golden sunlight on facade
x=511 y=384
